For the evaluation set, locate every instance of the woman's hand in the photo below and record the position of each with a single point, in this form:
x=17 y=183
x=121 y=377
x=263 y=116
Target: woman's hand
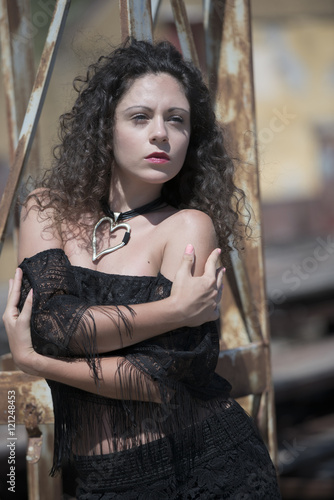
x=198 y=298
x=18 y=327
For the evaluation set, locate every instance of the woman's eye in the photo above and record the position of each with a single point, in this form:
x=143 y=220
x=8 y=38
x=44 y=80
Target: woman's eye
x=176 y=118
x=140 y=117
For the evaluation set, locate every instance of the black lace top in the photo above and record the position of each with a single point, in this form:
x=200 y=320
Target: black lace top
x=181 y=362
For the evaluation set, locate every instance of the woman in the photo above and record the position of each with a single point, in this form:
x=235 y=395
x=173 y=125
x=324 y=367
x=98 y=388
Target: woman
x=123 y=311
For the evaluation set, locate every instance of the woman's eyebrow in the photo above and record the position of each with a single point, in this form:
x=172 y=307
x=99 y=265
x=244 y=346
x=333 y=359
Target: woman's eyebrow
x=139 y=106
x=176 y=108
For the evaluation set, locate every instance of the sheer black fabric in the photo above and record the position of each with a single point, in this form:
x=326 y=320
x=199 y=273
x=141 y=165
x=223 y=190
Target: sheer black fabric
x=233 y=464
x=90 y=428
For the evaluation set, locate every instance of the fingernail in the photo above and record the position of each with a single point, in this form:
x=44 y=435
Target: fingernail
x=189 y=249
x=224 y=269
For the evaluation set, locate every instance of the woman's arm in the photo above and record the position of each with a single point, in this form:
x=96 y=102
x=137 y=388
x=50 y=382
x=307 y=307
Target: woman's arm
x=76 y=373
x=193 y=301
x=196 y=290
x=194 y=296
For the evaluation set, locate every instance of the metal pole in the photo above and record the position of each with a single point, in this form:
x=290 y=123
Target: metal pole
x=33 y=112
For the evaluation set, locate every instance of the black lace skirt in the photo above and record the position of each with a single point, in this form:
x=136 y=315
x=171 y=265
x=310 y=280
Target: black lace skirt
x=230 y=463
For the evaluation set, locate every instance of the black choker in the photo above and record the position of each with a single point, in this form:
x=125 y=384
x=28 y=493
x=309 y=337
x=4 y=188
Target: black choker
x=116 y=222
x=120 y=216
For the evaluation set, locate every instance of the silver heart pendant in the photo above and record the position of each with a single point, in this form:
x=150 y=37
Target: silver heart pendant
x=113 y=228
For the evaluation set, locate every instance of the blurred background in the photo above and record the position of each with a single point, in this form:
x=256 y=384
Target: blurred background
x=293 y=57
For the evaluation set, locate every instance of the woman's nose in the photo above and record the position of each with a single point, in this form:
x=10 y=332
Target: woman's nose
x=158 y=131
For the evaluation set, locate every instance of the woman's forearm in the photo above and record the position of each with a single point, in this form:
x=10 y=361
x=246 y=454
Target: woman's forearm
x=193 y=301
x=116 y=381
x=147 y=320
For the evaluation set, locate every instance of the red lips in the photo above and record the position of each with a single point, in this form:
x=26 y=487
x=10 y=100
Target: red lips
x=158 y=154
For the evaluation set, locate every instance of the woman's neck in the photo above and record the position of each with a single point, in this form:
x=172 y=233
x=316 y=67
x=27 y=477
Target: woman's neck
x=121 y=200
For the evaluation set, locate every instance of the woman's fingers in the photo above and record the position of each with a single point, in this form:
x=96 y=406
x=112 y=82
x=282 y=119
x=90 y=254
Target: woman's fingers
x=199 y=297
x=18 y=326
x=11 y=281
x=14 y=291
x=27 y=308
x=212 y=262
x=187 y=261
x=219 y=277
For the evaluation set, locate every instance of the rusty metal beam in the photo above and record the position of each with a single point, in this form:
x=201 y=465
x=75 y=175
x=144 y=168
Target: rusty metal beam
x=236 y=112
x=18 y=75
x=8 y=78
x=244 y=304
x=7 y=363
x=33 y=112
x=40 y=484
x=155 y=6
x=227 y=41
x=21 y=37
x=213 y=29
x=184 y=31
x=249 y=308
x=136 y=19
x=245 y=368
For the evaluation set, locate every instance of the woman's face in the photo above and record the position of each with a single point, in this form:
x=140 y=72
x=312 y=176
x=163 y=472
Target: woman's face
x=151 y=130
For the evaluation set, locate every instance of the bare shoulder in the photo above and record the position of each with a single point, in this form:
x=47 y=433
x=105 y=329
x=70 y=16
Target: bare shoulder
x=34 y=202
x=192 y=223
x=187 y=227
x=37 y=232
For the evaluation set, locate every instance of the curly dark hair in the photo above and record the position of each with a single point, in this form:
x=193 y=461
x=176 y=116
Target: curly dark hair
x=79 y=179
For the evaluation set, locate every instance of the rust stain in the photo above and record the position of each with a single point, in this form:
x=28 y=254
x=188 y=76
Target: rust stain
x=34 y=448
x=41 y=74
x=32 y=419
x=245 y=368
x=43 y=65
x=32 y=399
x=124 y=19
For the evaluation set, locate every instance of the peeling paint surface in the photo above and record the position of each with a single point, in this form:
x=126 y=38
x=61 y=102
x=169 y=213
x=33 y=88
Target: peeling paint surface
x=33 y=112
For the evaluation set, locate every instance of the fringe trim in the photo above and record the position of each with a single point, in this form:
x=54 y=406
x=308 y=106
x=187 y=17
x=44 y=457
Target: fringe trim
x=83 y=423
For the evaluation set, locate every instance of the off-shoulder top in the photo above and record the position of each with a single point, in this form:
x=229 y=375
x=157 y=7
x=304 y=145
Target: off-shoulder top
x=182 y=362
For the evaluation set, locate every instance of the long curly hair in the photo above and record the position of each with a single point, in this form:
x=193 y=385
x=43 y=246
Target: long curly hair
x=79 y=180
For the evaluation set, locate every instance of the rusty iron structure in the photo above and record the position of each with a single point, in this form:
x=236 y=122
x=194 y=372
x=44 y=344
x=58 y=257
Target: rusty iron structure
x=245 y=355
